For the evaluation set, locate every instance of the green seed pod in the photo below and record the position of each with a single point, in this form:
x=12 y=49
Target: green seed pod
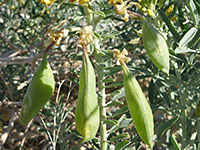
x=39 y=91
x=139 y=108
x=87 y=108
x=156 y=47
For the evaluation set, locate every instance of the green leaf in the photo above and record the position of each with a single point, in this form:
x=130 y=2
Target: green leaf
x=100 y=13
x=169 y=25
x=114 y=103
x=122 y=144
x=97 y=35
x=68 y=5
x=166 y=125
x=66 y=113
x=162 y=92
x=125 y=123
x=120 y=136
x=195 y=39
x=197 y=6
x=121 y=111
x=184 y=50
x=151 y=92
x=187 y=37
x=175 y=143
x=120 y=95
x=107 y=80
x=193 y=11
x=113 y=122
x=114 y=84
x=113 y=70
x=116 y=92
x=114 y=128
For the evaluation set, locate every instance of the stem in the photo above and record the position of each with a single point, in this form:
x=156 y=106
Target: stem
x=49 y=47
x=184 y=119
x=134 y=14
x=85 y=50
x=102 y=100
x=90 y=17
x=183 y=96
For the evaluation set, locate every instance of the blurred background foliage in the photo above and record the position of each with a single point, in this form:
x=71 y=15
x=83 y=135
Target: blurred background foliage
x=173 y=98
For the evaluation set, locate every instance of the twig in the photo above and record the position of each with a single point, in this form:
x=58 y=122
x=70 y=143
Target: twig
x=49 y=47
x=6 y=84
x=63 y=113
x=134 y=14
x=55 y=117
x=7 y=41
x=4 y=136
x=19 y=50
x=23 y=60
x=49 y=135
x=137 y=54
x=10 y=103
x=27 y=127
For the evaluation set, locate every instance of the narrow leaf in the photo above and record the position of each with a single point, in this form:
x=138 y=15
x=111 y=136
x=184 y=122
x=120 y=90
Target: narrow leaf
x=120 y=136
x=120 y=95
x=125 y=123
x=169 y=25
x=197 y=6
x=115 y=103
x=162 y=92
x=166 y=125
x=115 y=84
x=175 y=143
x=113 y=122
x=97 y=35
x=122 y=144
x=183 y=50
x=121 y=111
x=195 y=39
x=193 y=11
x=107 y=80
x=187 y=37
x=100 y=13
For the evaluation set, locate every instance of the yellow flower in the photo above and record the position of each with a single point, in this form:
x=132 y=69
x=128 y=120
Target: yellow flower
x=72 y=1
x=12 y=7
x=57 y=36
x=86 y=35
x=150 y=12
x=81 y=2
x=174 y=18
x=121 y=56
x=115 y=2
x=120 y=8
x=22 y=2
x=169 y=10
x=47 y=2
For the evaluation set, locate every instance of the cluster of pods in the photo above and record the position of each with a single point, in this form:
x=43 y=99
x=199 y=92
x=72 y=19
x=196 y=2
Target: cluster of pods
x=87 y=109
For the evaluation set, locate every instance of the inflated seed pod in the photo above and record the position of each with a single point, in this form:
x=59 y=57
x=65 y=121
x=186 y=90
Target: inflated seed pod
x=156 y=47
x=139 y=108
x=39 y=91
x=87 y=108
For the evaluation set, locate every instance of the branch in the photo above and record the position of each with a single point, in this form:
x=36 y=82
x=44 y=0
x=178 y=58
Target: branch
x=4 y=136
x=6 y=84
x=23 y=60
x=7 y=41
